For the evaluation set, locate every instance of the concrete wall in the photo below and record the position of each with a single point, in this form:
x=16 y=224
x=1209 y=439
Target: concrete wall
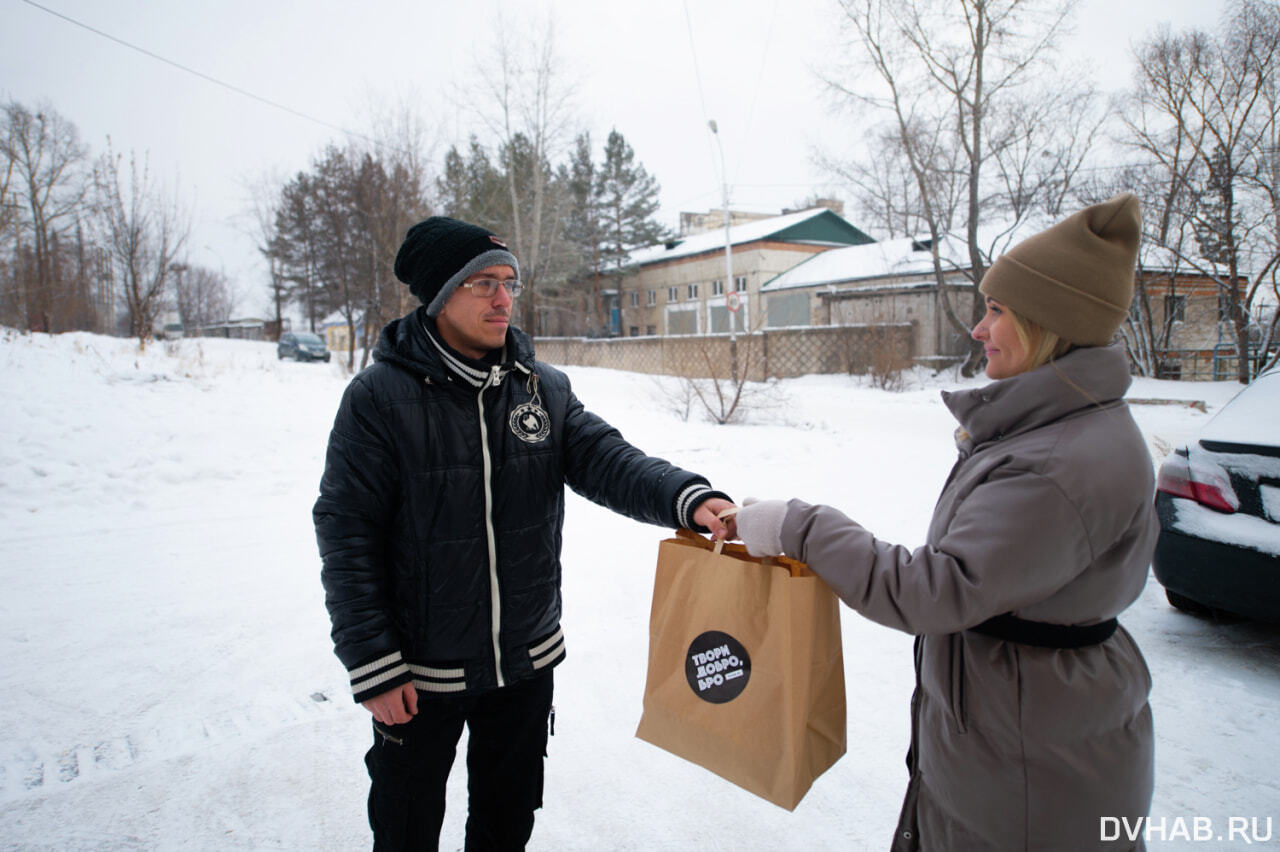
x=778 y=353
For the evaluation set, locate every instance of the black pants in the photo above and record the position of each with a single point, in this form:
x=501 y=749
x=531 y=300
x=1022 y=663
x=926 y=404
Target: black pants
x=409 y=765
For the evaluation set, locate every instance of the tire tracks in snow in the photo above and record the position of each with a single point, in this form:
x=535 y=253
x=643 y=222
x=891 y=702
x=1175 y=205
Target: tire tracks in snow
x=33 y=769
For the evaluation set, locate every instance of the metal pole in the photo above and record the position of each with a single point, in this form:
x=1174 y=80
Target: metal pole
x=728 y=255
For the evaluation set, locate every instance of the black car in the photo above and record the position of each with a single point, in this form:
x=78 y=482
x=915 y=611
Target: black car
x=302 y=346
x=1219 y=506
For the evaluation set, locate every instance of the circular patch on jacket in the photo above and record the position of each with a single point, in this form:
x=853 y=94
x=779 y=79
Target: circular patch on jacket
x=530 y=422
x=717 y=667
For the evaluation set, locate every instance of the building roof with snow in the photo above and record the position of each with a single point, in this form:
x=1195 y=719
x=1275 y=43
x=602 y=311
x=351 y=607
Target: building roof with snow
x=898 y=258
x=816 y=226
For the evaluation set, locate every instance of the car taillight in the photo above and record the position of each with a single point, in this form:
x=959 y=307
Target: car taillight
x=1200 y=479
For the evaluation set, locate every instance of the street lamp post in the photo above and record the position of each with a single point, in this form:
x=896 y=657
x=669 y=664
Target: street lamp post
x=728 y=254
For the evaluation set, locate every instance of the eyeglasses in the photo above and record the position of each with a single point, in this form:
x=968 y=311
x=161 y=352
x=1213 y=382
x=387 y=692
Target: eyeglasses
x=486 y=287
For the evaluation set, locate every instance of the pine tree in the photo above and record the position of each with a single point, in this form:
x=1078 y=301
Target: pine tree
x=295 y=247
x=472 y=190
x=451 y=186
x=627 y=197
x=582 y=223
x=582 y=229
x=490 y=204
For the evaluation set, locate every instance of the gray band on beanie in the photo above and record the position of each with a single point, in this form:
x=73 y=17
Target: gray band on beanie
x=495 y=257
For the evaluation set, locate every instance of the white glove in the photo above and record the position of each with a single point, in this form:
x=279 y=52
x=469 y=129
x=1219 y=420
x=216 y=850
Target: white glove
x=760 y=526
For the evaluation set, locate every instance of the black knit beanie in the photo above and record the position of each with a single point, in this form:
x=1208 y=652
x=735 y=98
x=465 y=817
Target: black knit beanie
x=440 y=253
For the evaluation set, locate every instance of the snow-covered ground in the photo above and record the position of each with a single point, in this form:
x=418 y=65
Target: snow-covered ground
x=169 y=682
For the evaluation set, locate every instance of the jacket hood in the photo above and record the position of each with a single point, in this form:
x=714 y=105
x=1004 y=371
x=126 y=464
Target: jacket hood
x=404 y=342
x=1083 y=378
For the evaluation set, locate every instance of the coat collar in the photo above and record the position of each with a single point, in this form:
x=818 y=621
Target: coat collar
x=1090 y=377
x=413 y=343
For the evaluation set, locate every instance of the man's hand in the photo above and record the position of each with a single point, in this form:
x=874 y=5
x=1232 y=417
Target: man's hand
x=395 y=706
x=707 y=515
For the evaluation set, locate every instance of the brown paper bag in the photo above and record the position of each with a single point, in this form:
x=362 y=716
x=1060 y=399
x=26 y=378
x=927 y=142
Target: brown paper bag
x=746 y=674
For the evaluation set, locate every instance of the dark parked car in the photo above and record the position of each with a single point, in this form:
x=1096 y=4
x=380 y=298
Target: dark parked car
x=302 y=346
x=1219 y=506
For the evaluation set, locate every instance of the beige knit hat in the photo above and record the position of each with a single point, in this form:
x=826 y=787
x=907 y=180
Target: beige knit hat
x=1076 y=278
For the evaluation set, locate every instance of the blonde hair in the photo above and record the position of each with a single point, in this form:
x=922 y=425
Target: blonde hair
x=1042 y=345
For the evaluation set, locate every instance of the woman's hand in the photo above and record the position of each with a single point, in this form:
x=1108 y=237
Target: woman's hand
x=760 y=526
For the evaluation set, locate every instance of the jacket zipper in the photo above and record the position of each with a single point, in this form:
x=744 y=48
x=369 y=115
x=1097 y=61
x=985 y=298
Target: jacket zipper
x=495 y=597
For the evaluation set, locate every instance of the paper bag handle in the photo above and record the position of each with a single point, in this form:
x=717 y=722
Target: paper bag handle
x=797 y=568
x=726 y=513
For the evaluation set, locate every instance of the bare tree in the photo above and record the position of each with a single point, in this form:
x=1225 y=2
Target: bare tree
x=11 y=302
x=8 y=204
x=723 y=387
x=259 y=222
x=1205 y=113
x=392 y=193
x=43 y=155
x=1161 y=277
x=887 y=186
x=531 y=118
x=204 y=296
x=1265 y=287
x=143 y=232
x=332 y=236
x=969 y=139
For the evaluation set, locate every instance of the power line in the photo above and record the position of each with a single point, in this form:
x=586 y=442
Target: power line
x=228 y=86
x=697 y=76
x=755 y=92
x=693 y=52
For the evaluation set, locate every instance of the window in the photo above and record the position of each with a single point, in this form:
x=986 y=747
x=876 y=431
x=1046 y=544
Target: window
x=653 y=298
x=1175 y=308
x=717 y=287
x=682 y=322
x=673 y=294
x=740 y=283
x=693 y=291
x=650 y=329
x=719 y=317
x=635 y=300
x=788 y=309
x=633 y=331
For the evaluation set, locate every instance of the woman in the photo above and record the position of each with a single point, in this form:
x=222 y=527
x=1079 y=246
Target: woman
x=1030 y=721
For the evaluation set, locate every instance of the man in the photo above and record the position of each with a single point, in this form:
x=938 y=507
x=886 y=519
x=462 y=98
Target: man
x=439 y=523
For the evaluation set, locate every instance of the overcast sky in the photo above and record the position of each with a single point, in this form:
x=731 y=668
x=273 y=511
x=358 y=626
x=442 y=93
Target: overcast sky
x=656 y=70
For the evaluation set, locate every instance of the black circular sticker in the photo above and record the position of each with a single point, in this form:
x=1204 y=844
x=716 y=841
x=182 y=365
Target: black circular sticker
x=717 y=667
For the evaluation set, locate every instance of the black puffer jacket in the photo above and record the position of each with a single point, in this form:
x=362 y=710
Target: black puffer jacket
x=441 y=507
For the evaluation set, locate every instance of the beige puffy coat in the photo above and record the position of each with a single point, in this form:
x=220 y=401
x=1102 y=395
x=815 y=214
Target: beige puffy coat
x=1047 y=515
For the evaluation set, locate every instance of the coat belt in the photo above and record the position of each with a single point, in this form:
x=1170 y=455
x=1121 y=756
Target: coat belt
x=1010 y=628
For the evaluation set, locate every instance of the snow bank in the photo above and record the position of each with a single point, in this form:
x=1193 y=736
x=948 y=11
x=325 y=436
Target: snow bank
x=170 y=682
